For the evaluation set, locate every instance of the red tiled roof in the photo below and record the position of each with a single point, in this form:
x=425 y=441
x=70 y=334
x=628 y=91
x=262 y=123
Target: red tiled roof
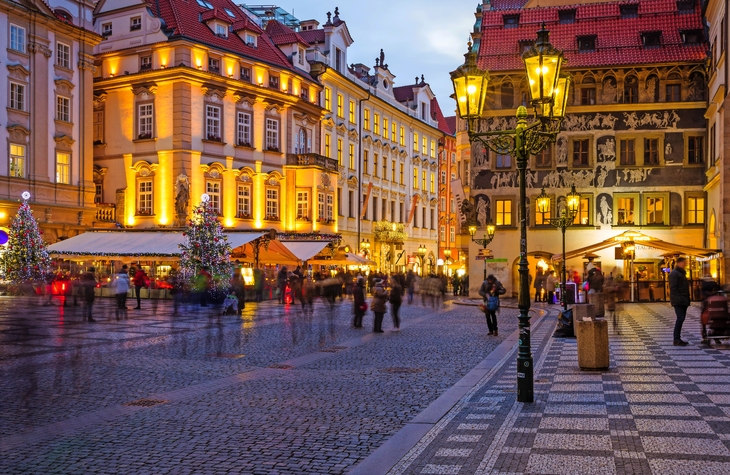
x=283 y=35
x=405 y=93
x=216 y=14
x=182 y=18
x=508 y=4
x=618 y=39
x=313 y=36
x=451 y=122
x=439 y=117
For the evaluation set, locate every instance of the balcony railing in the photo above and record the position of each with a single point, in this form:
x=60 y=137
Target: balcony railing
x=106 y=212
x=311 y=160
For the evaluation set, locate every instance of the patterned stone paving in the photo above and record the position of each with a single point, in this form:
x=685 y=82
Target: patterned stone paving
x=660 y=409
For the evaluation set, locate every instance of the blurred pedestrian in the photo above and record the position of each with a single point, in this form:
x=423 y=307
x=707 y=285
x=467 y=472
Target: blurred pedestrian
x=358 y=293
x=395 y=299
x=550 y=283
x=121 y=285
x=679 y=297
x=490 y=291
x=140 y=281
x=380 y=297
x=88 y=280
x=258 y=284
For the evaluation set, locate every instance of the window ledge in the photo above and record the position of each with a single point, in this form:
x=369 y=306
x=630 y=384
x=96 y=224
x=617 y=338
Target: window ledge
x=18 y=111
x=244 y=147
x=63 y=122
x=216 y=142
x=144 y=215
x=63 y=68
x=15 y=51
x=151 y=139
x=99 y=144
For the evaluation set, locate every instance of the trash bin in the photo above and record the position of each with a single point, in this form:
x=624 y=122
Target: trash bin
x=592 y=336
x=570 y=292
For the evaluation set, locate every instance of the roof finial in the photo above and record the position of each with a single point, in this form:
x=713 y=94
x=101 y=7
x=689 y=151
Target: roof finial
x=377 y=62
x=337 y=12
x=382 y=57
x=329 y=18
x=423 y=80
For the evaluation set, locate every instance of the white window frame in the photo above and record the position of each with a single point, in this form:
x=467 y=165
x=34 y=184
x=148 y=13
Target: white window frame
x=452 y=233
x=63 y=55
x=17 y=96
x=302 y=204
x=252 y=40
x=321 y=210
x=63 y=170
x=135 y=23
x=17 y=38
x=106 y=29
x=330 y=207
x=145 y=120
x=244 y=201
x=272 y=204
x=145 y=197
x=63 y=109
x=214 y=189
x=98 y=126
x=272 y=134
x=243 y=129
x=221 y=30
x=18 y=156
x=212 y=122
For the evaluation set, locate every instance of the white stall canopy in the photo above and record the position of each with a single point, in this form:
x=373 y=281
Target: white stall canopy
x=305 y=250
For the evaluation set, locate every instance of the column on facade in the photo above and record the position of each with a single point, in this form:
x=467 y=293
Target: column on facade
x=259 y=197
x=197 y=178
x=164 y=188
x=40 y=100
x=130 y=197
x=230 y=194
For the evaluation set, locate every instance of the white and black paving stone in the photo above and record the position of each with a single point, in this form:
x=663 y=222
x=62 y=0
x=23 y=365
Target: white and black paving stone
x=659 y=410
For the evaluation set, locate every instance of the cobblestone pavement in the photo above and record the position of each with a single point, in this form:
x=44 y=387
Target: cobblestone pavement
x=272 y=391
x=660 y=409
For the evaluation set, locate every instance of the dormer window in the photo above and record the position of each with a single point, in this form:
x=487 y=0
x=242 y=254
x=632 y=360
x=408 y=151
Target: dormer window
x=685 y=6
x=587 y=43
x=630 y=10
x=251 y=40
x=525 y=46
x=511 y=21
x=651 y=39
x=106 y=29
x=301 y=56
x=214 y=65
x=135 y=23
x=221 y=31
x=692 y=37
x=274 y=82
x=566 y=16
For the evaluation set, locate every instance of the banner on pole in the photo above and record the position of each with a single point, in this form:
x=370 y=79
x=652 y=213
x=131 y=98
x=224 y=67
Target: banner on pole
x=413 y=209
x=367 y=200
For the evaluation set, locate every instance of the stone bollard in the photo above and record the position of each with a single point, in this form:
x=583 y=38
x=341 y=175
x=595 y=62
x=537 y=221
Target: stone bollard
x=596 y=299
x=592 y=337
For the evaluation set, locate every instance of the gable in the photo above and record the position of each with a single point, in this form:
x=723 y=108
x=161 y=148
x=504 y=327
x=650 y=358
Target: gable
x=105 y=6
x=36 y=5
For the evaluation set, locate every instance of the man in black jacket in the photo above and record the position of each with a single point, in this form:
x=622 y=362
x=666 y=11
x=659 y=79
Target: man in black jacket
x=679 y=297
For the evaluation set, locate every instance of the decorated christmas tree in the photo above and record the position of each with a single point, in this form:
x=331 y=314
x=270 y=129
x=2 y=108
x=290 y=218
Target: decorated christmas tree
x=206 y=247
x=27 y=256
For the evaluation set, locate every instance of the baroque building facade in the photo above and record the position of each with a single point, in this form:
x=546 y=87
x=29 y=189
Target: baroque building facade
x=47 y=56
x=633 y=142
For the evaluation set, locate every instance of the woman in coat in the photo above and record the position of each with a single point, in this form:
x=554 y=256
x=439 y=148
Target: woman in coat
x=396 y=299
x=358 y=293
x=380 y=297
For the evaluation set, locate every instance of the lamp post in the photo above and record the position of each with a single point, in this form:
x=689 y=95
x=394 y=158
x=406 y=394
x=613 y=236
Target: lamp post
x=562 y=222
x=548 y=98
x=421 y=253
x=484 y=242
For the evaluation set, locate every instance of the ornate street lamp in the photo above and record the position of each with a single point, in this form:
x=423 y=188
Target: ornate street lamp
x=421 y=253
x=484 y=242
x=562 y=222
x=549 y=90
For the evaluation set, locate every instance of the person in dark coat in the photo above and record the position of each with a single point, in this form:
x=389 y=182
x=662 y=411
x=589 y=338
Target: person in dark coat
x=380 y=297
x=395 y=299
x=679 y=297
x=89 y=283
x=491 y=288
x=358 y=293
x=539 y=286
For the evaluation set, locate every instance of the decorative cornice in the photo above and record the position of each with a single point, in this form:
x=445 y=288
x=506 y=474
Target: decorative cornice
x=35 y=47
x=99 y=98
x=213 y=90
x=86 y=61
x=18 y=71
x=149 y=89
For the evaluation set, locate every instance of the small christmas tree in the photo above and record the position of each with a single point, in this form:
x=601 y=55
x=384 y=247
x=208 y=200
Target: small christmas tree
x=206 y=246
x=27 y=256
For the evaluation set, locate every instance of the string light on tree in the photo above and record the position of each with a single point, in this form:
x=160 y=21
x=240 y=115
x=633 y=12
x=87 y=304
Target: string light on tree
x=27 y=256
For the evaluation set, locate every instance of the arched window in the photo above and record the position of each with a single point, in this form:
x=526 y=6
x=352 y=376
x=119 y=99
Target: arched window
x=508 y=95
x=631 y=90
x=302 y=144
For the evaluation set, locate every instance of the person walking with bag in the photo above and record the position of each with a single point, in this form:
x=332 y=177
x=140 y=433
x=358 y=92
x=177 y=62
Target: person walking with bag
x=121 y=285
x=380 y=297
x=679 y=297
x=358 y=293
x=395 y=299
x=490 y=291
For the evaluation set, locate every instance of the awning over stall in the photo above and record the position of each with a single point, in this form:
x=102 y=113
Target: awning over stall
x=641 y=239
x=305 y=250
x=134 y=244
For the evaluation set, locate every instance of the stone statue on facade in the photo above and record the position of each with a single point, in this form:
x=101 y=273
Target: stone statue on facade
x=182 y=197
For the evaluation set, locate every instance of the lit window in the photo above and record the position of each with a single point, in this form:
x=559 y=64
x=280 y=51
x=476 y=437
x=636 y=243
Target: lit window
x=385 y=128
x=17 y=38
x=63 y=167
x=392 y=171
x=272 y=204
x=352 y=156
x=433 y=149
x=503 y=212
x=376 y=124
x=695 y=210
x=415 y=178
x=213 y=123
x=340 y=106
x=366 y=119
x=424 y=146
x=321 y=213
x=402 y=137
x=213 y=188
x=365 y=160
x=393 y=128
x=328 y=145
x=63 y=55
x=17 y=96
x=352 y=112
x=423 y=180
x=17 y=160
x=145 y=121
x=63 y=109
x=375 y=164
x=625 y=214
x=244 y=201
x=339 y=152
x=330 y=207
x=144 y=197
x=302 y=205
x=415 y=141
x=654 y=210
x=272 y=135
x=433 y=186
x=328 y=99
x=244 y=129
x=583 y=215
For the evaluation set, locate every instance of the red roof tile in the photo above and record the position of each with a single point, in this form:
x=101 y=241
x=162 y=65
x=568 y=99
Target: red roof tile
x=439 y=117
x=618 y=40
x=508 y=4
x=216 y=14
x=183 y=20
x=313 y=36
x=451 y=123
x=283 y=35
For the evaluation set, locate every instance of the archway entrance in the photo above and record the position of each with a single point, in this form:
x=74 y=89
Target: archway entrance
x=537 y=260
